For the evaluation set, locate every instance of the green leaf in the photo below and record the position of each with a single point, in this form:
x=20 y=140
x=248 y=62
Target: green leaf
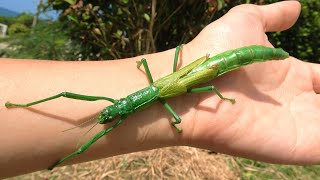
x=125 y=1
x=118 y=34
x=146 y=17
x=95 y=8
x=85 y=16
x=73 y=19
x=97 y=31
x=119 y=12
x=71 y=2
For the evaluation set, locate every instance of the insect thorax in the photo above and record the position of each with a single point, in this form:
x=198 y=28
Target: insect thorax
x=120 y=107
x=143 y=97
x=108 y=114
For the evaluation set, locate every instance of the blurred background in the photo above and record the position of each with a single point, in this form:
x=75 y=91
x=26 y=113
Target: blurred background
x=82 y=30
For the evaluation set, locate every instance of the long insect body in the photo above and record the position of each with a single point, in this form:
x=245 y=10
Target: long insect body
x=233 y=59
x=179 y=82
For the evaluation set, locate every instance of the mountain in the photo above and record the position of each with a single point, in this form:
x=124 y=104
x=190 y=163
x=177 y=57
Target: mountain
x=7 y=12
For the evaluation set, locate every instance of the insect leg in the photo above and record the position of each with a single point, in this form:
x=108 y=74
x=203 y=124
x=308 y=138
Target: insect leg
x=63 y=94
x=88 y=143
x=174 y=115
x=176 y=57
x=165 y=104
x=143 y=61
x=208 y=89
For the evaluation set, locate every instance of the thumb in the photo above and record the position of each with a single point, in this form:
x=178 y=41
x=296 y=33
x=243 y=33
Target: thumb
x=274 y=17
x=280 y=16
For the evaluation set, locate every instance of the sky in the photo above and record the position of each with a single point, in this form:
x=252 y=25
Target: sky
x=20 y=5
x=23 y=6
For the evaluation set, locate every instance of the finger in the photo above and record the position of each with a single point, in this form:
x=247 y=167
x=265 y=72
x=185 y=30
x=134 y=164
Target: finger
x=315 y=76
x=279 y=16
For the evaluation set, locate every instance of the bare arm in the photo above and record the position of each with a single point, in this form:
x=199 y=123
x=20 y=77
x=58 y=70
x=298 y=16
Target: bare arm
x=32 y=138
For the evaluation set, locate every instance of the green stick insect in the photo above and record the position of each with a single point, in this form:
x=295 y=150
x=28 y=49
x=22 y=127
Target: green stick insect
x=179 y=82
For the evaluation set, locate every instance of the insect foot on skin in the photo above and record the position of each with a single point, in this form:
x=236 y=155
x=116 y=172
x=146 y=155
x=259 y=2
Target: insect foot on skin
x=179 y=82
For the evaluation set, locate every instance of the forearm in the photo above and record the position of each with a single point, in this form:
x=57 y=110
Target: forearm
x=32 y=138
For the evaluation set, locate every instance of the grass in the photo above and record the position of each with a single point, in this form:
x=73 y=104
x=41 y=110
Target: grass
x=258 y=170
x=177 y=163
x=165 y=163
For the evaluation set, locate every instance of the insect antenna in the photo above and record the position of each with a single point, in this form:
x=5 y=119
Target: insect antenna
x=80 y=125
x=83 y=135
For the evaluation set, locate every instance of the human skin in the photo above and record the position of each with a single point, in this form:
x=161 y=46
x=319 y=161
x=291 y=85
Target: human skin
x=274 y=118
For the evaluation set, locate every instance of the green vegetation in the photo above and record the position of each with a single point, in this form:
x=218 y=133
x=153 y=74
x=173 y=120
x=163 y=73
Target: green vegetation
x=253 y=170
x=23 y=18
x=46 y=41
x=118 y=29
x=17 y=28
x=99 y=30
x=302 y=40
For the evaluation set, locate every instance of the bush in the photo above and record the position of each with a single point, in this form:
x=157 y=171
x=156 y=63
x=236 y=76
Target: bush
x=17 y=28
x=302 y=40
x=25 y=18
x=47 y=40
x=122 y=28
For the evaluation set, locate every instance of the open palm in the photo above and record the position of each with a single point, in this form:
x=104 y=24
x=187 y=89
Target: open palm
x=276 y=116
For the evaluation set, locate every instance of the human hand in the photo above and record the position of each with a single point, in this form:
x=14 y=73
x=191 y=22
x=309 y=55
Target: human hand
x=275 y=117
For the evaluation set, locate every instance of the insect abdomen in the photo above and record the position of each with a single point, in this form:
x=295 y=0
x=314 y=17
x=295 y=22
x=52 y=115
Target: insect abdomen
x=234 y=59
